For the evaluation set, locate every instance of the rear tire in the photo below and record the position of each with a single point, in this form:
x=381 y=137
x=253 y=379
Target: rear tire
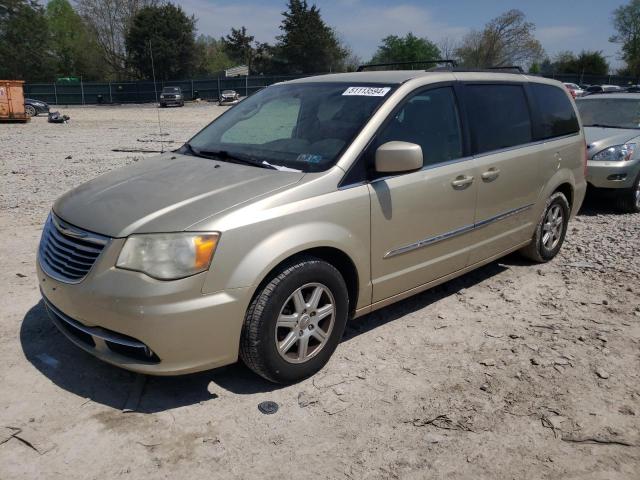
x=629 y=199
x=31 y=111
x=288 y=333
x=550 y=231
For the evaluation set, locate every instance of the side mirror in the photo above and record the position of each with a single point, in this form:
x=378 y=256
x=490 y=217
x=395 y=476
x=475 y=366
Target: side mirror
x=395 y=157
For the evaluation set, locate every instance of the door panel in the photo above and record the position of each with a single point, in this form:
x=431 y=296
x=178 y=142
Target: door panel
x=508 y=163
x=417 y=207
x=506 y=195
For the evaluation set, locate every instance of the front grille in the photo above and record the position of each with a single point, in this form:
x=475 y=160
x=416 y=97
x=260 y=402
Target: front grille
x=67 y=253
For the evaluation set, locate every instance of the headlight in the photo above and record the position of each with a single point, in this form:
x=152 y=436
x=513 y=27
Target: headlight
x=168 y=256
x=161 y=96
x=178 y=96
x=617 y=153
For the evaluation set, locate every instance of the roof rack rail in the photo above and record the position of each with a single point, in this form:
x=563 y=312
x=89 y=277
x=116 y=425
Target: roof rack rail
x=361 y=68
x=508 y=67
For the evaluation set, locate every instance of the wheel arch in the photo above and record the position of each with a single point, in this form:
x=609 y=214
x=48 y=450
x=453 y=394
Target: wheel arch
x=332 y=255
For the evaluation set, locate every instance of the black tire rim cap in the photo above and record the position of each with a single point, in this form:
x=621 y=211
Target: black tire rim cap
x=268 y=407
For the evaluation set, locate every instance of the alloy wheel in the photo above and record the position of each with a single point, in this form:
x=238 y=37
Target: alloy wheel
x=305 y=323
x=552 y=227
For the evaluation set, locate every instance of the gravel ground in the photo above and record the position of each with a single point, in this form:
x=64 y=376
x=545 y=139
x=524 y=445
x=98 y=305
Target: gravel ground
x=512 y=371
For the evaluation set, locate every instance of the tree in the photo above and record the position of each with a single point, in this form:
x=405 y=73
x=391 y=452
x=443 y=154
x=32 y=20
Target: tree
x=587 y=62
x=626 y=21
x=75 y=48
x=211 y=55
x=506 y=40
x=405 y=49
x=110 y=21
x=307 y=43
x=448 y=47
x=24 y=41
x=238 y=46
x=167 y=33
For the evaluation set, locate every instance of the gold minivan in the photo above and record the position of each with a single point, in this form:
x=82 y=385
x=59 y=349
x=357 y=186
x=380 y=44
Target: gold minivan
x=307 y=204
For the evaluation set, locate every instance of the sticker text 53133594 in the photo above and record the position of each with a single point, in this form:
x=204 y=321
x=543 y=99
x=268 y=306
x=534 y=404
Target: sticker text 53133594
x=367 y=91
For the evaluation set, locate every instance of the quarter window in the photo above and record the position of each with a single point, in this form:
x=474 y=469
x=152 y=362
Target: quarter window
x=499 y=116
x=557 y=117
x=429 y=119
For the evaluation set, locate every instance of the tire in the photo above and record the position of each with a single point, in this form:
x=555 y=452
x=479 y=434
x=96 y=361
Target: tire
x=276 y=323
x=31 y=111
x=629 y=199
x=548 y=238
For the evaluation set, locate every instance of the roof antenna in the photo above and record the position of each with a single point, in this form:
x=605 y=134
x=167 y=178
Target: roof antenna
x=155 y=89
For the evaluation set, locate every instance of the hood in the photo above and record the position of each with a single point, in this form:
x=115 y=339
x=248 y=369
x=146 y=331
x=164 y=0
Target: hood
x=165 y=194
x=599 y=138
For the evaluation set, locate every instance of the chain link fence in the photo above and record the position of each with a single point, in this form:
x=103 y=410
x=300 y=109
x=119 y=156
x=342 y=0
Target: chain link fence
x=92 y=93
x=143 y=91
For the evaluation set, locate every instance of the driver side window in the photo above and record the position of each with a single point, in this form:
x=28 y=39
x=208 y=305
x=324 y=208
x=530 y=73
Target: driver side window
x=429 y=119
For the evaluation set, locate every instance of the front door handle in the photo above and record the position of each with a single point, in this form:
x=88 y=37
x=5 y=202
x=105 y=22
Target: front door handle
x=462 y=181
x=491 y=174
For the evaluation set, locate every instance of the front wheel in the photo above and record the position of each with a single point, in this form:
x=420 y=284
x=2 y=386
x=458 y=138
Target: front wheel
x=629 y=199
x=295 y=321
x=550 y=231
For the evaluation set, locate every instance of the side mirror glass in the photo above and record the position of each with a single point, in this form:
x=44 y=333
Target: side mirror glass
x=396 y=157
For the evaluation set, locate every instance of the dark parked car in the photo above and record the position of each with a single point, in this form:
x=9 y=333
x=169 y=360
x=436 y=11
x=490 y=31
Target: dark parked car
x=171 y=96
x=227 y=97
x=33 y=107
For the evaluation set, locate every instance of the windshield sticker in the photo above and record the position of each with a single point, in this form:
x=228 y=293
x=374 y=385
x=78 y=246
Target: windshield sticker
x=367 y=91
x=309 y=158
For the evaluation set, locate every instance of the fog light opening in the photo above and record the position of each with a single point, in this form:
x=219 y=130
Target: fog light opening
x=617 y=177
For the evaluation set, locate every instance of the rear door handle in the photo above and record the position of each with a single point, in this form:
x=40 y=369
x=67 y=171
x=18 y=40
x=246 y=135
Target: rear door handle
x=491 y=174
x=462 y=181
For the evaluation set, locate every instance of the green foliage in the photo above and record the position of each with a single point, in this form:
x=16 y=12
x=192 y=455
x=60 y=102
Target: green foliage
x=24 y=41
x=307 y=43
x=405 y=49
x=75 y=48
x=626 y=21
x=168 y=33
x=506 y=40
x=211 y=55
x=238 y=46
x=587 y=62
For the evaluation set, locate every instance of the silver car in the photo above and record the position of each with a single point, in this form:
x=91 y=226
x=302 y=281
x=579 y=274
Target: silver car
x=310 y=203
x=612 y=130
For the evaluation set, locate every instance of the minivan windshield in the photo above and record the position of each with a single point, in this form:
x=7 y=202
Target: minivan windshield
x=610 y=112
x=171 y=90
x=302 y=127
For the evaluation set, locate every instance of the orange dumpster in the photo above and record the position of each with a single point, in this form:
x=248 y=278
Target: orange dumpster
x=12 y=101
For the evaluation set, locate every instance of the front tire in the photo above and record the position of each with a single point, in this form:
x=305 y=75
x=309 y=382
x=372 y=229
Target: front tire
x=629 y=199
x=295 y=321
x=550 y=231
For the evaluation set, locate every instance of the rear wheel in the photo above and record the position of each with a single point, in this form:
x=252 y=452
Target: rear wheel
x=295 y=321
x=550 y=231
x=629 y=199
x=30 y=110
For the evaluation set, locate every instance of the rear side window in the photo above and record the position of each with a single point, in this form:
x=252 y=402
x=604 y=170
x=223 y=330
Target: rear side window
x=499 y=116
x=557 y=117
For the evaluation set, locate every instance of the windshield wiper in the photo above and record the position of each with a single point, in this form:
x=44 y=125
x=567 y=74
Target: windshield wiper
x=602 y=125
x=226 y=156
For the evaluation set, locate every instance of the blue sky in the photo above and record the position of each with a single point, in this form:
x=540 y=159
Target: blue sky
x=561 y=24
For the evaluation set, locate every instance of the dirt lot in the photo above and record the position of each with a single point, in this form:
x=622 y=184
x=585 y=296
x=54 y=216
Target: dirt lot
x=513 y=371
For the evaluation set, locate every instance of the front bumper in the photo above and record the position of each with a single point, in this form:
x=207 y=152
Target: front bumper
x=612 y=174
x=145 y=325
x=171 y=101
